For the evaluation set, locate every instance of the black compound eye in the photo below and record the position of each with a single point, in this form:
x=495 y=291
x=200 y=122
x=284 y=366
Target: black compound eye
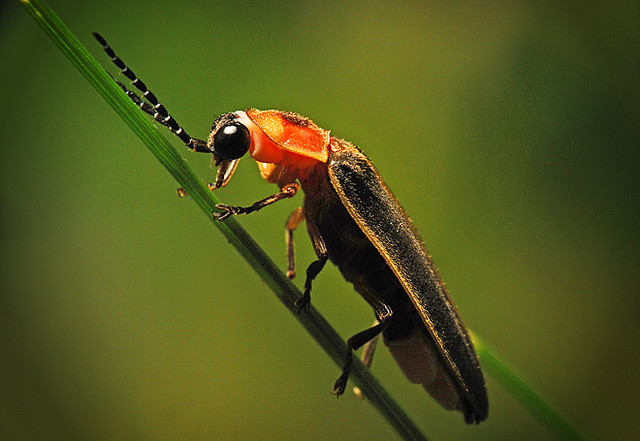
x=232 y=141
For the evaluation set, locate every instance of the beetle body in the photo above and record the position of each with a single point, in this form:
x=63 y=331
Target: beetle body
x=369 y=237
x=353 y=220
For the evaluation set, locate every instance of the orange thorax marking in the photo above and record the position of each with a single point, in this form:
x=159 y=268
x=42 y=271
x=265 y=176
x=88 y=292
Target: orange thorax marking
x=293 y=133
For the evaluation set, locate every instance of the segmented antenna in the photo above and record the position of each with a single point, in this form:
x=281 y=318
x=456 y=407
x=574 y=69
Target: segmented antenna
x=152 y=106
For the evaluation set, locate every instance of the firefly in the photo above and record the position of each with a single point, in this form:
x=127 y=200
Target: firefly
x=354 y=221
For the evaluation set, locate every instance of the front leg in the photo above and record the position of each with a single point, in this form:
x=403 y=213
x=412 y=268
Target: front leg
x=288 y=191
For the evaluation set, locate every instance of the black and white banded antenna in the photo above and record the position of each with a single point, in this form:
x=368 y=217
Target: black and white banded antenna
x=149 y=103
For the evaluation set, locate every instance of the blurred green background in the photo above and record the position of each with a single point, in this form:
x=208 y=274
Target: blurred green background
x=510 y=133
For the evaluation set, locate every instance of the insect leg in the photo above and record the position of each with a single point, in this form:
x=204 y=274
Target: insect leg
x=153 y=107
x=353 y=344
x=369 y=336
x=288 y=191
x=302 y=304
x=367 y=358
x=294 y=219
x=369 y=350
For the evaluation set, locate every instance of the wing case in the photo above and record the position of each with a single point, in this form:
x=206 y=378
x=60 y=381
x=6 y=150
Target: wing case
x=381 y=218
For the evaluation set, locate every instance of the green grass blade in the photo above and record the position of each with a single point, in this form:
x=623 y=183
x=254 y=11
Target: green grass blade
x=521 y=391
x=315 y=324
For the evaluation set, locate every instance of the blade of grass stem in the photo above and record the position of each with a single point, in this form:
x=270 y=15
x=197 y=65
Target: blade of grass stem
x=521 y=391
